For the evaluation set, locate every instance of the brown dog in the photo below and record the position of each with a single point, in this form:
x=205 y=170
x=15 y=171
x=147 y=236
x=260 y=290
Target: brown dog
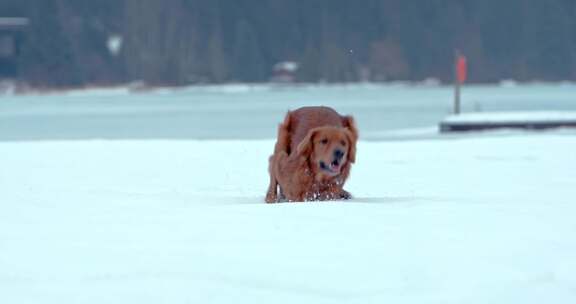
x=314 y=151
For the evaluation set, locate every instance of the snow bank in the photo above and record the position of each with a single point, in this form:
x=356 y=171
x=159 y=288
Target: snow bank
x=486 y=220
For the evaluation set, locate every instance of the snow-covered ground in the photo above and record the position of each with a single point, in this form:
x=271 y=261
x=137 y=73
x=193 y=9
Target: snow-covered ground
x=169 y=215
x=480 y=220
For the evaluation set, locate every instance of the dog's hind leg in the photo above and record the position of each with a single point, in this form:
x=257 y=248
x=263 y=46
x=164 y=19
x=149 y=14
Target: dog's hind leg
x=272 y=193
x=282 y=147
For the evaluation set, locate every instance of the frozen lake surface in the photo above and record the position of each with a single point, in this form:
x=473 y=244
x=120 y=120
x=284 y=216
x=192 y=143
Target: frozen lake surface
x=253 y=112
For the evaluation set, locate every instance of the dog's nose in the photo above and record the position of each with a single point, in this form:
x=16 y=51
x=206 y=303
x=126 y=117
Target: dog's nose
x=338 y=154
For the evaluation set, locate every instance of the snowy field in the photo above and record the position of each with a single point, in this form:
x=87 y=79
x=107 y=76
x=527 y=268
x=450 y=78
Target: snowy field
x=181 y=219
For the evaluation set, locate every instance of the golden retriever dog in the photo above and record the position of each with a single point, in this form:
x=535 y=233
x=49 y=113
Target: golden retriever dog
x=312 y=157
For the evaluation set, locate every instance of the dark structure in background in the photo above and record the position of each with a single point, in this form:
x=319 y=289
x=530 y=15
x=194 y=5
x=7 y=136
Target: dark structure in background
x=11 y=38
x=178 y=42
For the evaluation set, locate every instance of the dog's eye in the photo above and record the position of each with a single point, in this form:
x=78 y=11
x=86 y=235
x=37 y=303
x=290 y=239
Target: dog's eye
x=342 y=142
x=324 y=141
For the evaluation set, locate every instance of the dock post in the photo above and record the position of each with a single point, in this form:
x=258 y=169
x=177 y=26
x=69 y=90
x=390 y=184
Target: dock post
x=460 y=71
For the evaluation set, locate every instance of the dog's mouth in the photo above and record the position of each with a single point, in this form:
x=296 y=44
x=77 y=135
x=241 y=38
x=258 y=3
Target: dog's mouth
x=333 y=168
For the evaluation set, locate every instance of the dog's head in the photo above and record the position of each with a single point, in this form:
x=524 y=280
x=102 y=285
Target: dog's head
x=330 y=150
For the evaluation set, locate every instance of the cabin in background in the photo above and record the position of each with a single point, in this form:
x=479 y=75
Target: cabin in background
x=11 y=38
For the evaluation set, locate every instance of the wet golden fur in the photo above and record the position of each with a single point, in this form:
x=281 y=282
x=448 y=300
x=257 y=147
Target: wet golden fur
x=307 y=141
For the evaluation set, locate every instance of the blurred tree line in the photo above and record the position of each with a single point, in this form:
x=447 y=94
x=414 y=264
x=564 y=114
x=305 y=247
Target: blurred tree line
x=174 y=42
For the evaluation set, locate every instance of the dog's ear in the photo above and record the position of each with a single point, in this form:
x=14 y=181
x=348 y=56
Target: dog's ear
x=351 y=146
x=350 y=124
x=307 y=144
x=352 y=134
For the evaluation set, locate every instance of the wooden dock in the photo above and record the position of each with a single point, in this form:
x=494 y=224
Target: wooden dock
x=508 y=120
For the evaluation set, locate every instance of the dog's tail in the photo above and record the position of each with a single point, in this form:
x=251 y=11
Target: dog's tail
x=283 y=139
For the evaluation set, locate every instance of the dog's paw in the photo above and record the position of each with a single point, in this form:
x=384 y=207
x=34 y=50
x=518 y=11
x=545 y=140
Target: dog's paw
x=345 y=195
x=271 y=198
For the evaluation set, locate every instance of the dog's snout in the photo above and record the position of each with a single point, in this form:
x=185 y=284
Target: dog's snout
x=338 y=154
